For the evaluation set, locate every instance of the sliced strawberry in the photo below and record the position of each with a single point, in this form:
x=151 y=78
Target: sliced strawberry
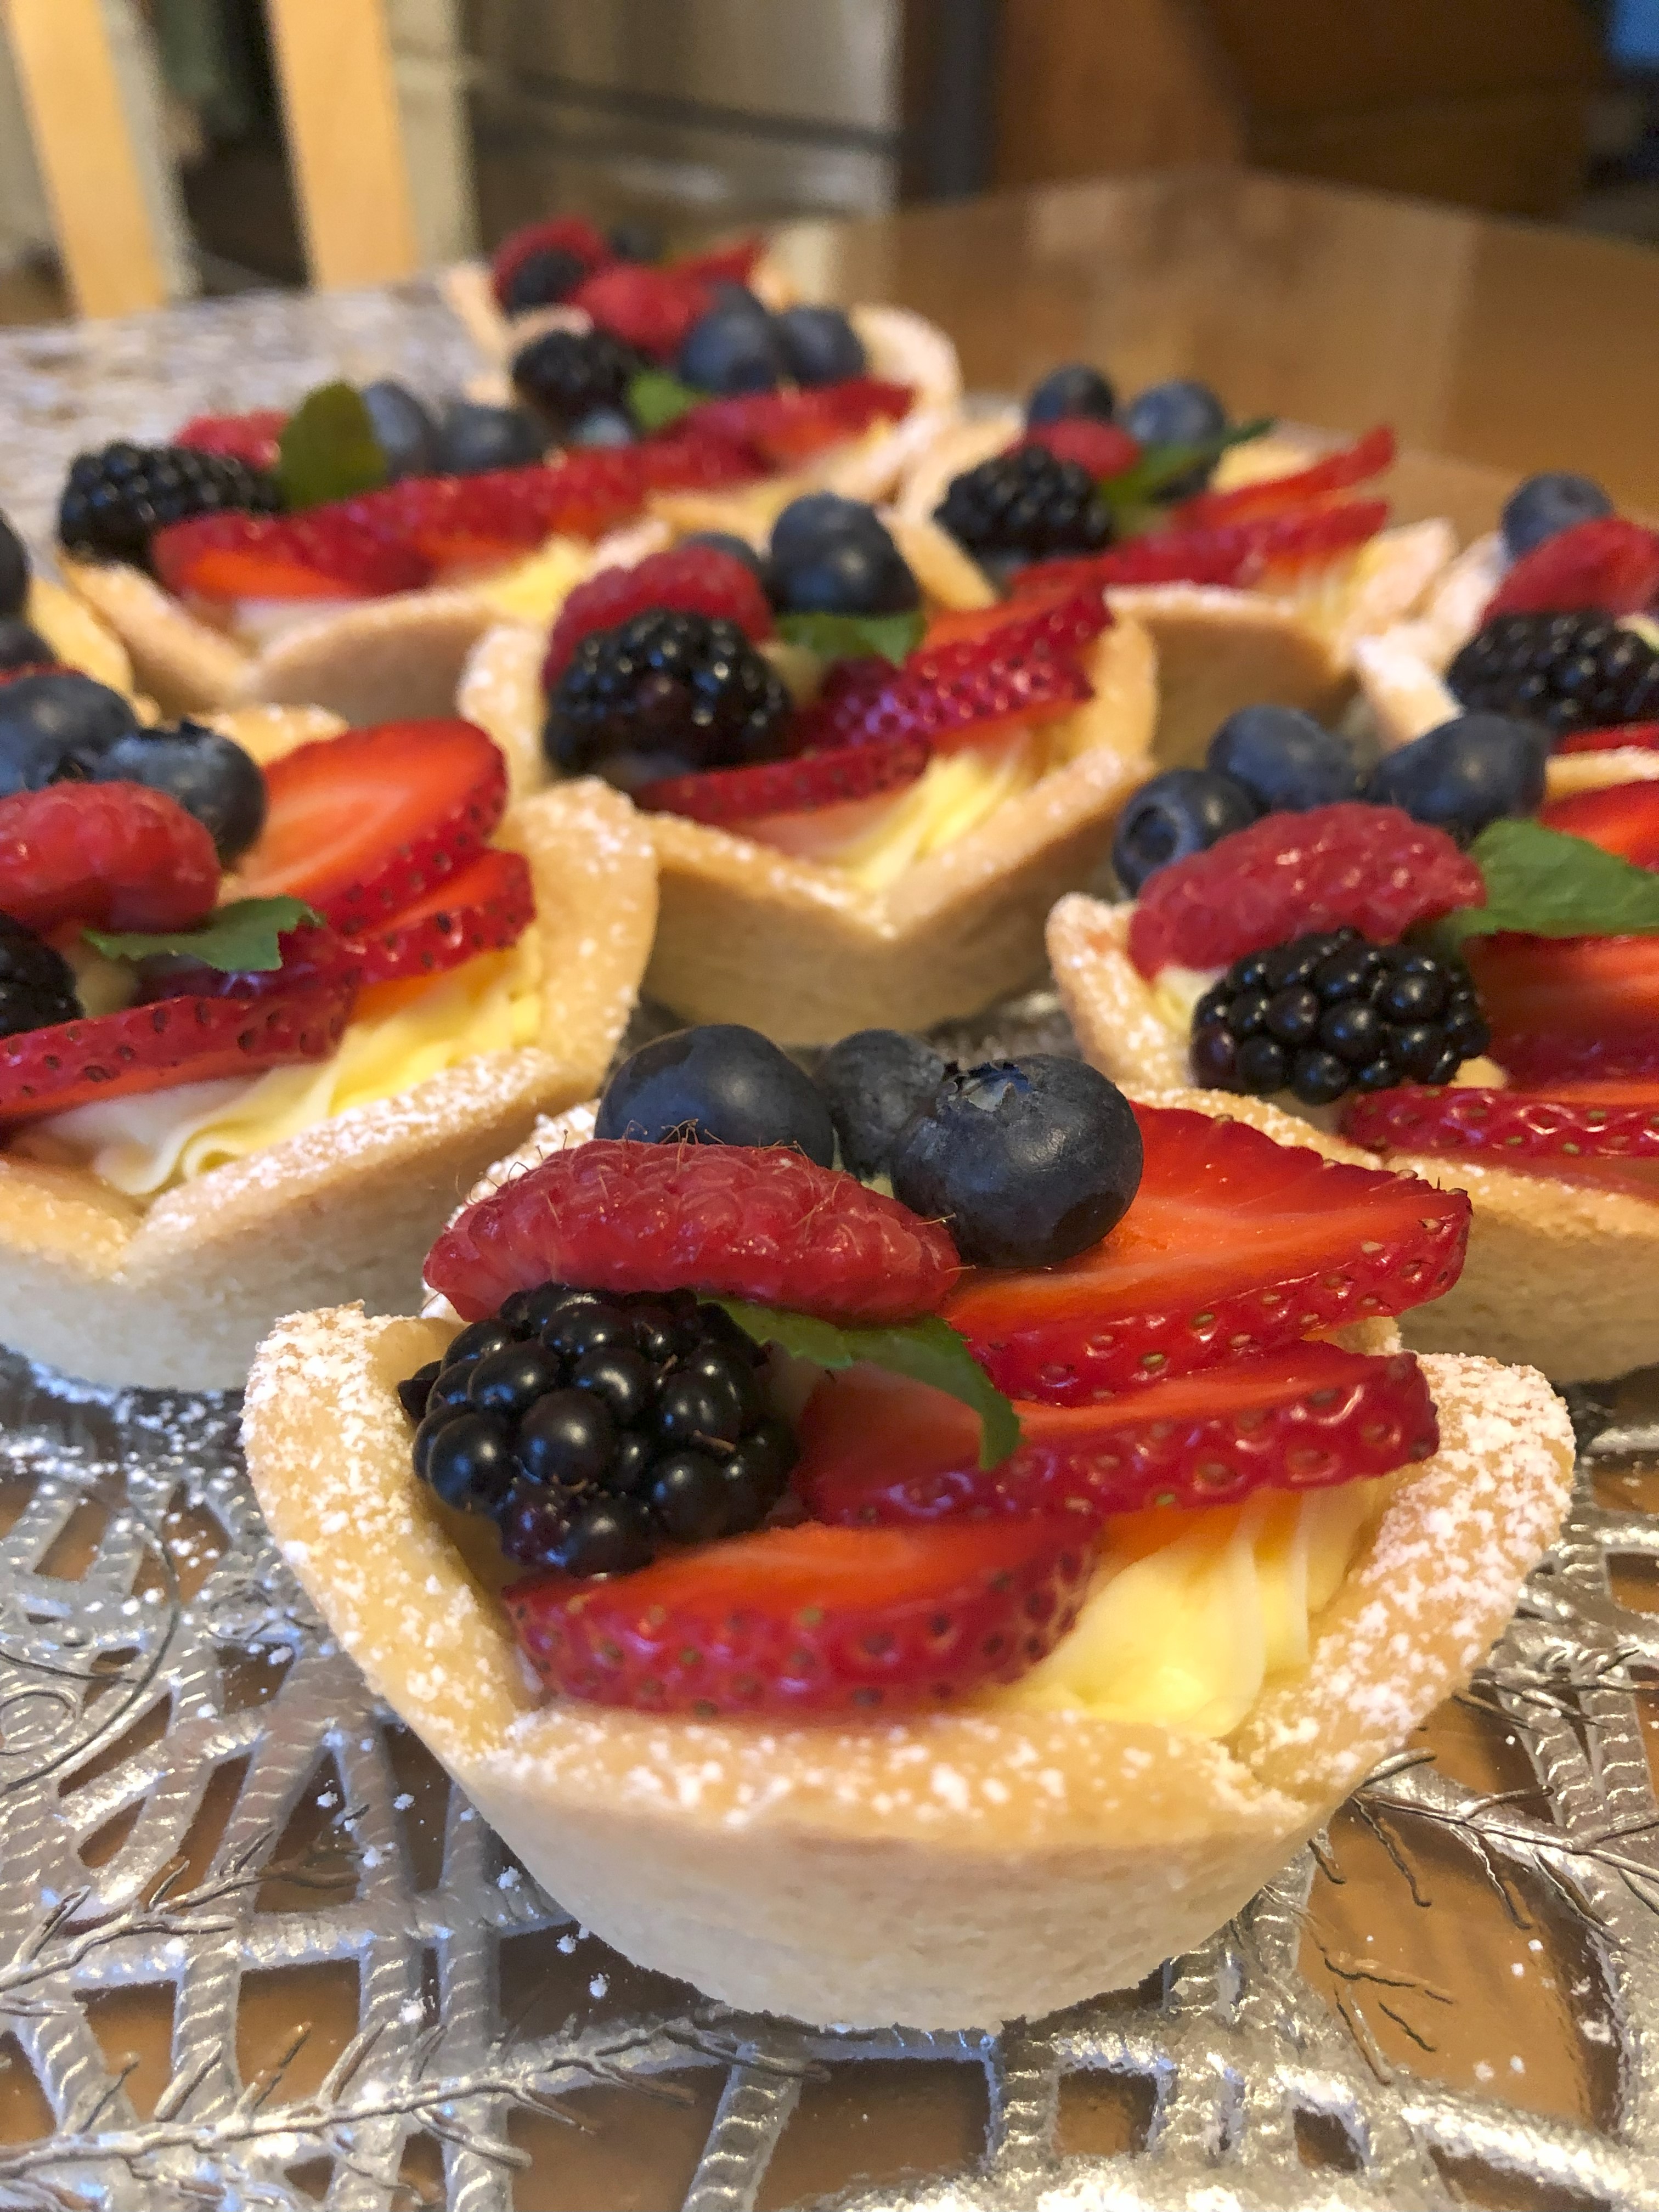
x=1237 y=553
x=1569 y=1006
x=739 y=1221
x=311 y=953
x=327 y=554
x=109 y=855
x=651 y=309
x=1369 y=868
x=1233 y=1244
x=471 y=522
x=877 y=1448
x=1620 y=818
x=686 y=457
x=695 y=579
x=253 y=437
x=1063 y=620
x=1353 y=464
x=167 y=1041
x=1101 y=447
x=1608 y=564
x=361 y=826
x=1568 y=1122
x=798 y=786
x=565 y=234
x=785 y=426
x=722 y=265
x=1643 y=736
x=485 y=905
x=810 y=1620
x=960 y=693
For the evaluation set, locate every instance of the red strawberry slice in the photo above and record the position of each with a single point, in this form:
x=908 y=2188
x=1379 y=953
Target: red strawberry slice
x=1233 y=1244
x=1608 y=564
x=462 y=522
x=363 y=825
x=784 y=427
x=1101 y=447
x=877 y=1448
x=1237 y=553
x=798 y=786
x=167 y=1041
x=862 y=1622
x=1062 y=620
x=696 y=579
x=1370 y=868
x=1569 y=1006
x=485 y=905
x=651 y=309
x=311 y=953
x=253 y=437
x=722 y=265
x=1645 y=736
x=567 y=233
x=686 y=457
x=328 y=553
x=1620 y=818
x=1568 y=1122
x=963 y=692
x=1352 y=465
x=731 y=1220
x=110 y=855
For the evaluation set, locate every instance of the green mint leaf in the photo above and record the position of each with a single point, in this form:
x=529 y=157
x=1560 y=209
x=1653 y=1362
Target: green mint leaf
x=328 y=448
x=239 y=939
x=927 y=1351
x=1549 y=884
x=1131 y=495
x=854 y=637
x=655 y=399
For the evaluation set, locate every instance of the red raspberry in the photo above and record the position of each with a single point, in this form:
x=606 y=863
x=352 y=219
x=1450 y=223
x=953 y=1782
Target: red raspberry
x=252 y=437
x=651 y=309
x=1609 y=565
x=697 y=579
x=731 y=1220
x=1101 y=447
x=567 y=233
x=111 y=855
x=1371 y=868
x=798 y=786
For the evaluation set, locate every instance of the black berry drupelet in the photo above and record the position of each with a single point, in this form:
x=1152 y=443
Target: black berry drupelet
x=665 y=693
x=1578 y=671
x=37 y=984
x=595 y=1428
x=566 y=374
x=116 y=500
x=1330 y=1013
x=1027 y=502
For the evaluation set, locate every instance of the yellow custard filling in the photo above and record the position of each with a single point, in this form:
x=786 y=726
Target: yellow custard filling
x=1190 y=1613
x=401 y=1034
x=534 y=589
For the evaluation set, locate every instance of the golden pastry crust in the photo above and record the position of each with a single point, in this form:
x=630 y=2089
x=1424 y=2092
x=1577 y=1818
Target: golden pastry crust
x=989 y=1865
x=78 y=637
x=180 y=1292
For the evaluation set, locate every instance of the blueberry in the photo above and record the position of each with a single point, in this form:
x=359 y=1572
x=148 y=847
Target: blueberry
x=1285 y=760
x=723 y=1084
x=408 y=435
x=474 y=439
x=835 y=555
x=543 y=278
x=20 y=645
x=566 y=1440
x=820 y=346
x=605 y=427
x=689 y=1496
x=508 y=1383
x=1076 y=389
x=56 y=728
x=637 y=241
x=874 y=1081
x=814 y=520
x=727 y=541
x=1178 y=412
x=1545 y=504
x=735 y=299
x=14 y=571
x=210 y=777
x=732 y=349
x=607 y=1536
x=1466 y=773
x=469 y=1463
x=1182 y=812
x=1027 y=1162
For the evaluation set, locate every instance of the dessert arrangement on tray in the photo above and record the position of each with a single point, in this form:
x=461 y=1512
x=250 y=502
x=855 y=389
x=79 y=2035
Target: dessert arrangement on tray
x=828 y=1488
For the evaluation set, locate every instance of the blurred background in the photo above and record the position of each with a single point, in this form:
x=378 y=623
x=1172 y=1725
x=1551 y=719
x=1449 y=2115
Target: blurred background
x=700 y=115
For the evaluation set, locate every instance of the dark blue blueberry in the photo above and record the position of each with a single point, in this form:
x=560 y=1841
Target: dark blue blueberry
x=689 y=1497
x=58 y=727
x=1075 y=389
x=637 y=241
x=407 y=433
x=566 y=1439
x=1179 y=412
x=605 y=426
x=874 y=1081
x=474 y=439
x=816 y=519
x=820 y=346
x=469 y=1463
x=1465 y=773
x=20 y=645
x=543 y=278
x=1182 y=812
x=1027 y=1163
x=607 y=1536
x=722 y=1084
x=14 y=570
x=730 y=350
x=1545 y=504
x=1285 y=760
x=835 y=555
x=210 y=777
x=727 y=541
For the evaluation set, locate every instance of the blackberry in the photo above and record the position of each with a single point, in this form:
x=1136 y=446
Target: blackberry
x=1329 y=1013
x=594 y=1428
x=566 y=374
x=1027 y=502
x=1568 y=671
x=543 y=278
x=116 y=500
x=37 y=984
x=665 y=693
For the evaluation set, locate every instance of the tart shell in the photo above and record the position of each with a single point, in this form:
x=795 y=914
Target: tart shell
x=948 y=1871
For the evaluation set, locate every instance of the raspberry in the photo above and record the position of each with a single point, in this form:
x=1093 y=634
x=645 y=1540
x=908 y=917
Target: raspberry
x=1100 y=447
x=727 y=1220
x=1610 y=566
x=1370 y=868
x=252 y=437
x=690 y=579
x=798 y=785
x=651 y=309
x=1354 y=464
x=111 y=855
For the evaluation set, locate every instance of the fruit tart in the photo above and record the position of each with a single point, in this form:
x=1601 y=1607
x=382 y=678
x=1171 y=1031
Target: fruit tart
x=863 y=802
x=257 y=1026
x=1479 y=1007
x=1250 y=557
x=933 y=1607
x=43 y=626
